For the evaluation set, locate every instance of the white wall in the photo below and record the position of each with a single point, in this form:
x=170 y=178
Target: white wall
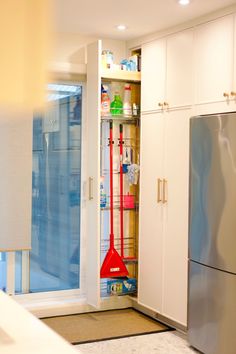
x=117 y=47
x=16 y=179
x=70 y=48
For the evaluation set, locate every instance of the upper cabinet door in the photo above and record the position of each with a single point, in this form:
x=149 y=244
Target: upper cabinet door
x=153 y=75
x=179 y=73
x=214 y=60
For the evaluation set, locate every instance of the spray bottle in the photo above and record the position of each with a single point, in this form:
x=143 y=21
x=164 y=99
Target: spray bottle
x=127 y=108
x=105 y=101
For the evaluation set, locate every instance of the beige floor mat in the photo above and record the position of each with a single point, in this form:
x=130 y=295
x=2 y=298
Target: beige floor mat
x=103 y=325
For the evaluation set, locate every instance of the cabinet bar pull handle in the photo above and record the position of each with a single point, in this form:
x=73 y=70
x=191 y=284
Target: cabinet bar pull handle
x=159 y=181
x=90 y=188
x=160 y=105
x=233 y=93
x=225 y=94
x=166 y=104
x=164 y=191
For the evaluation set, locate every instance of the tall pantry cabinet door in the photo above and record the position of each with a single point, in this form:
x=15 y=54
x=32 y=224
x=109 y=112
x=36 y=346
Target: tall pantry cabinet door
x=179 y=72
x=213 y=57
x=151 y=212
x=93 y=170
x=153 y=75
x=175 y=239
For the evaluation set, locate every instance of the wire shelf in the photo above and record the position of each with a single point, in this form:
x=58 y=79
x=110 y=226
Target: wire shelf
x=121 y=119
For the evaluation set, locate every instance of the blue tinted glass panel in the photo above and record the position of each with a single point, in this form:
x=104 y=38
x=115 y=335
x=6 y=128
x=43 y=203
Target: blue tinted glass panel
x=3 y=271
x=55 y=254
x=18 y=272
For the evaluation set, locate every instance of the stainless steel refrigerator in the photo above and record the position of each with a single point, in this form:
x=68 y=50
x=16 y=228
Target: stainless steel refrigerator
x=212 y=234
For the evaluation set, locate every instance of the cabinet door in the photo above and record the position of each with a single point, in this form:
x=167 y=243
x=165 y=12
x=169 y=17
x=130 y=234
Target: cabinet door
x=179 y=71
x=153 y=74
x=93 y=170
x=213 y=60
x=151 y=212
x=175 y=236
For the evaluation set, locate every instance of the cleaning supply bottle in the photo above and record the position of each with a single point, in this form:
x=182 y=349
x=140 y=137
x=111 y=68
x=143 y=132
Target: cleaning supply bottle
x=105 y=101
x=117 y=105
x=127 y=108
x=103 y=196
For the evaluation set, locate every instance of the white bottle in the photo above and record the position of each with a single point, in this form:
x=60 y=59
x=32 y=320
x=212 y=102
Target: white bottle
x=127 y=107
x=105 y=101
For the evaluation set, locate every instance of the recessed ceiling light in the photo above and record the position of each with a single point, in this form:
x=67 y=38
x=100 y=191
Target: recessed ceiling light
x=121 y=27
x=184 y=2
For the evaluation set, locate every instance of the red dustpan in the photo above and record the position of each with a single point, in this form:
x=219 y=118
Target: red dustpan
x=113 y=265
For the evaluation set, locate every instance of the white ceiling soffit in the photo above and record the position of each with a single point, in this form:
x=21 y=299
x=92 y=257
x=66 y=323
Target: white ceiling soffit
x=100 y=17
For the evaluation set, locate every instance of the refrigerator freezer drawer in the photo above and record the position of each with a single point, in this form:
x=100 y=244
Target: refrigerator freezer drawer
x=212 y=310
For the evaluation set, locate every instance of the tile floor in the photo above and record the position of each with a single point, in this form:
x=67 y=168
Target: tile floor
x=158 y=343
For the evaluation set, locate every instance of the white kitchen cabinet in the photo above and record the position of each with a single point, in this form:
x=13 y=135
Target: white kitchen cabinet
x=97 y=126
x=213 y=67
x=153 y=75
x=163 y=242
x=93 y=171
x=175 y=233
x=151 y=212
x=179 y=72
x=183 y=73
x=167 y=72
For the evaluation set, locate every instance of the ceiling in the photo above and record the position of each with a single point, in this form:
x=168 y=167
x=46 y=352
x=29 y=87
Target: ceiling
x=99 y=17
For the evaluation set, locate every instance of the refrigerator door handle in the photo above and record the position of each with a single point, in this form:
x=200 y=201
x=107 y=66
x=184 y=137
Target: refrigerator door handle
x=164 y=190
x=159 y=182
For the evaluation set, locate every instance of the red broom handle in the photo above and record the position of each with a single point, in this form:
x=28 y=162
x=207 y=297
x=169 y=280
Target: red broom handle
x=121 y=194
x=111 y=187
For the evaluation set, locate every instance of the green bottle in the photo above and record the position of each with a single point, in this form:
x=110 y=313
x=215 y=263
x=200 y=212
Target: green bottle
x=116 y=105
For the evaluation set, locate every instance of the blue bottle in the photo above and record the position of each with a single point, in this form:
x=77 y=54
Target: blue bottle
x=103 y=196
